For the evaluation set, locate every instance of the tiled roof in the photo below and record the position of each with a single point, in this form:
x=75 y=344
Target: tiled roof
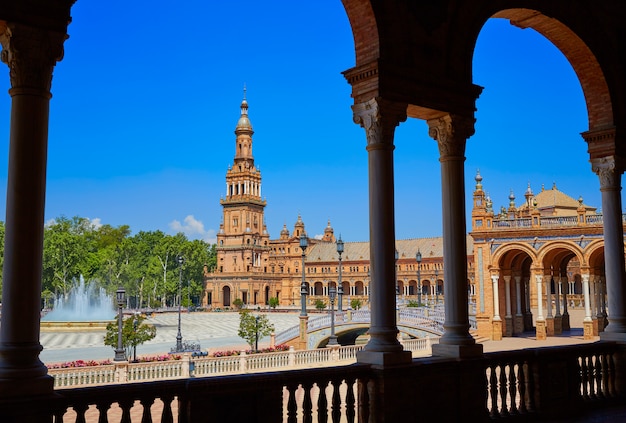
x=407 y=248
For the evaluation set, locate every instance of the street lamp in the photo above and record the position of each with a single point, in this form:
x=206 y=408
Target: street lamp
x=135 y=329
x=395 y=275
x=120 y=296
x=339 y=285
x=303 y=291
x=256 y=337
x=418 y=258
x=333 y=339
x=179 y=336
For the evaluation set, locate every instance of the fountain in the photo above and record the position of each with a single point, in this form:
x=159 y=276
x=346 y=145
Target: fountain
x=84 y=308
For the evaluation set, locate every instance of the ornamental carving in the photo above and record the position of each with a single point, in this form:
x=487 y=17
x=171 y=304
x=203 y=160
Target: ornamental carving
x=379 y=119
x=31 y=55
x=607 y=172
x=451 y=132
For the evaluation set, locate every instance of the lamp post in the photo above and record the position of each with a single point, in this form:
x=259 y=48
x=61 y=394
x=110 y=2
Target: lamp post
x=303 y=291
x=256 y=337
x=179 y=336
x=395 y=275
x=418 y=258
x=333 y=339
x=436 y=287
x=135 y=345
x=339 y=284
x=120 y=296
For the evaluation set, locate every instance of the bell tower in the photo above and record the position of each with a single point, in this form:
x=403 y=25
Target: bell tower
x=243 y=241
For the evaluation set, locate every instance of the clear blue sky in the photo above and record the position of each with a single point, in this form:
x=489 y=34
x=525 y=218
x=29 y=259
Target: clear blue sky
x=146 y=100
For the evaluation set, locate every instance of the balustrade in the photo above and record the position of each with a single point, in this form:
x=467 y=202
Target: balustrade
x=564 y=381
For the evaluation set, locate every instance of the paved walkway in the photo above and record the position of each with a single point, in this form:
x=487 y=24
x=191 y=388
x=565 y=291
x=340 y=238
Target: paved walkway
x=214 y=331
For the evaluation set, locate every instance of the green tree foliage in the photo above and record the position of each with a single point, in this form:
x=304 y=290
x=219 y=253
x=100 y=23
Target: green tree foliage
x=144 y=264
x=320 y=304
x=355 y=303
x=253 y=327
x=134 y=332
x=273 y=302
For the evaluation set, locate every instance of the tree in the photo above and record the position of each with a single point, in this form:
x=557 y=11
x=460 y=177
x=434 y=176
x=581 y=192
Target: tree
x=355 y=303
x=274 y=302
x=253 y=327
x=134 y=332
x=320 y=304
x=238 y=303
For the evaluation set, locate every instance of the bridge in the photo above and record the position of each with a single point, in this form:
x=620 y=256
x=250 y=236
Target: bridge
x=413 y=322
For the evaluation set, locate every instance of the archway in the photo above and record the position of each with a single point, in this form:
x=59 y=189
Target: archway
x=226 y=296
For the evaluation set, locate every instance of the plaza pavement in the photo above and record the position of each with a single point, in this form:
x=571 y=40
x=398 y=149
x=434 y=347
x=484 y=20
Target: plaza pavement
x=213 y=331
x=218 y=331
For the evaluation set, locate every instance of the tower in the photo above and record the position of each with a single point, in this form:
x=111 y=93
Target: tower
x=242 y=241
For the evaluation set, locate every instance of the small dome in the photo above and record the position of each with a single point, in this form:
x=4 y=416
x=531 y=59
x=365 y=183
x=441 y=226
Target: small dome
x=284 y=231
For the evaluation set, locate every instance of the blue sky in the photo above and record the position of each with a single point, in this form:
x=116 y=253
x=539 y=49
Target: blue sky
x=147 y=97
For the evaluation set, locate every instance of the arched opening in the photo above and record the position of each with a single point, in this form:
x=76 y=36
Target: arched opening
x=226 y=296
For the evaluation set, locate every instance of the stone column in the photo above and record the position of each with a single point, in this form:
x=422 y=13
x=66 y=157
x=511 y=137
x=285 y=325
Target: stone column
x=558 y=319
x=549 y=317
x=451 y=132
x=496 y=333
x=31 y=55
x=540 y=321
x=518 y=323
x=587 y=321
x=508 y=317
x=379 y=118
x=565 y=318
x=610 y=174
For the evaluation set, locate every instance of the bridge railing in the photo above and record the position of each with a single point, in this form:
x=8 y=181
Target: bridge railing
x=203 y=366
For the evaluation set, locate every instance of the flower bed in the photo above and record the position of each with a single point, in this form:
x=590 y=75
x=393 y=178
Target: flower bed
x=227 y=353
x=90 y=363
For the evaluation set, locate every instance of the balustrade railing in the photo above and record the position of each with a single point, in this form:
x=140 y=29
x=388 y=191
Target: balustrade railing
x=550 y=221
x=520 y=385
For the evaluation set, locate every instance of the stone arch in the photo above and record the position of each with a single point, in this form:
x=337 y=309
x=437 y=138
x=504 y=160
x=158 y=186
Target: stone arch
x=503 y=250
x=579 y=55
x=550 y=251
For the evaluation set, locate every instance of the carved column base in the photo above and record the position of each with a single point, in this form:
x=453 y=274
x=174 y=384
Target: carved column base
x=518 y=324
x=384 y=359
x=528 y=321
x=558 y=325
x=565 y=322
x=496 y=332
x=457 y=351
x=594 y=322
x=508 y=326
x=588 y=329
x=541 y=329
x=550 y=326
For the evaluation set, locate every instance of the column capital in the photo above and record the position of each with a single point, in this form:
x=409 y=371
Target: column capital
x=379 y=118
x=31 y=54
x=451 y=132
x=608 y=169
x=494 y=278
x=538 y=278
